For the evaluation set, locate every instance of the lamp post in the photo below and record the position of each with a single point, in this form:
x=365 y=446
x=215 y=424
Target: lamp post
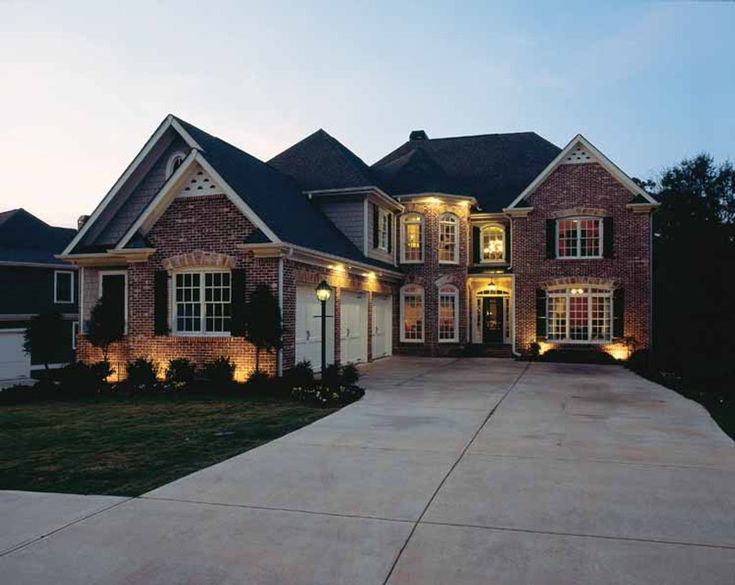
x=323 y=292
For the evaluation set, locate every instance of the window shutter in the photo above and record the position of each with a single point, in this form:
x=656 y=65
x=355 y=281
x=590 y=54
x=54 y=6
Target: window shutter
x=160 y=303
x=540 y=314
x=238 y=323
x=507 y=244
x=551 y=238
x=390 y=232
x=608 y=238
x=618 y=313
x=476 y=244
x=376 y=219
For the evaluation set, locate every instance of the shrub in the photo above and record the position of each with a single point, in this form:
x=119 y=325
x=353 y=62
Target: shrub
x=22 y=394
x=299 y=375
x=79 y=380
x=258 y=380
x=350 y=375
x=332 y=376
x=142 y=374
x=325 y=397
x=219 y=371
x=534 y=350
x=180 y=374
x=639 y=360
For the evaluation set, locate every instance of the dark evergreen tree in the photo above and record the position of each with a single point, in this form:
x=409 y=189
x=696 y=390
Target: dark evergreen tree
x=44 y=336
x=263 y=322
x=105 y=326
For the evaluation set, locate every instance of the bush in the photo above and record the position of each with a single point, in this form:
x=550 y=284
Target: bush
x=180 y=374
x=534 y=350
x=639 y=360
x=258 y=380
x=219 y=371
x=299 y=375
x=325 y=397
x=332 y=376
x=142 y=374
x=79 y=380
x=350 y=375
x=44 y=389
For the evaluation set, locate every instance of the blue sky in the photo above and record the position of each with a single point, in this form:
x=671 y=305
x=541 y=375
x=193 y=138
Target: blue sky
x=84 y=84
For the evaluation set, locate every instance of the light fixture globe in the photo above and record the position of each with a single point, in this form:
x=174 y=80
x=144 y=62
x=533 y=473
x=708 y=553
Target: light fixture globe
x=323 y=291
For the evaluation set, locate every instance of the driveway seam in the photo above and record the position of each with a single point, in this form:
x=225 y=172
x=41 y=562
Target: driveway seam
x=451 y=469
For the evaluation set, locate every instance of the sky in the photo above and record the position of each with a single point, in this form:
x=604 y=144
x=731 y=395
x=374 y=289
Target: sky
x=84 y=84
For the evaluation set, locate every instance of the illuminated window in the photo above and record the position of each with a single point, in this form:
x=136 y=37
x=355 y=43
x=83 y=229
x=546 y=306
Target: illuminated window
x=448 y=314
x=493 y=243
x=412 y=249
x=412 y=314
x=579 y=237
x=448 y=239
x=202 y=303
x=579 y=315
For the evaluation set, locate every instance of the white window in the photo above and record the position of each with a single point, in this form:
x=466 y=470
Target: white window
x=493 y=243
x=412 y=236
x=448 y=314
x=383 y=229
x=579 y=315
x=63 y=286
x=412 y=314
x=174 y=162
x=448 y=239
x=579 y=237
x=202 y=303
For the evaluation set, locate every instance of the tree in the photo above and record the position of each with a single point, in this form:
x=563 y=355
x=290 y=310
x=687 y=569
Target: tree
x=105 y=325
x=44 y=337
x=263 y=321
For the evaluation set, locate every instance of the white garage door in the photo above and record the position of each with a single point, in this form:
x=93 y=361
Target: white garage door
x=353 y=325
x=382 y=326
x=309 y=328
x=14 y=362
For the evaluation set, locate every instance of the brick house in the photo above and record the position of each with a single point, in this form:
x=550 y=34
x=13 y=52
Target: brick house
x=497 y=241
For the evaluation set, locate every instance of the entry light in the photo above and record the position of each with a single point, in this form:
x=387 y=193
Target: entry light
x=492 y=287
x=323 y=291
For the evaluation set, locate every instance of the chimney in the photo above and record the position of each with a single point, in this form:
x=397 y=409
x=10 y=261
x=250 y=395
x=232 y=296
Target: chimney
x=418 y=135
x=81 y=221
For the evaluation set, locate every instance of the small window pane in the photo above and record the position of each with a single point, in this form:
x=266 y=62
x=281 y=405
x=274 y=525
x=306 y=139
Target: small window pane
x=63 y=283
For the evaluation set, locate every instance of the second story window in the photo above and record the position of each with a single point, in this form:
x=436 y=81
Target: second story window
x=493 y=243
x=384 y=230
x=412 y=237
x=448 y=239
x=579 y=237
x=63 y=286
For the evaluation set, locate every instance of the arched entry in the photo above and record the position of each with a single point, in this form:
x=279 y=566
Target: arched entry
x=491 y=323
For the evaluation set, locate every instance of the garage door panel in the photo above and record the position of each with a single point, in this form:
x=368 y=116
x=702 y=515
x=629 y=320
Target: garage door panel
x=353 y=327
x=308 y=328
x=382 y=326
x=14 y=362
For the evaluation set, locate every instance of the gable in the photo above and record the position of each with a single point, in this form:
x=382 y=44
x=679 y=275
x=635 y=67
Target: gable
x=199 y=182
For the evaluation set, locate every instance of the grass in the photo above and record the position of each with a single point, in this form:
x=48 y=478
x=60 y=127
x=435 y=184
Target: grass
x=129 y=445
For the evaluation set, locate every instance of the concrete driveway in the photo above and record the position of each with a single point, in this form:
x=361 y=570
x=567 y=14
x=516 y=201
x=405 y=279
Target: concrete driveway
x=450 y=471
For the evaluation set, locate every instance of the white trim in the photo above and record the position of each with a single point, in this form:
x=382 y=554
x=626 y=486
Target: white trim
x=137 y=161
x=564 y=292
x=605 y=162
x=171 y=160
x=279 y=355
x=200 y=270
x=437 y=195
x=81 y=299
x=366 y=190
x=455 y=294
x=500 y=262
x=456 y=223
x=36 y=367
x=71 y=287
x=422 y=224
x=384 y=213
x=601 y=243
x=402 y=333
x=365 y=226
x=74 y=333
x=37 y=265
x=100 y=277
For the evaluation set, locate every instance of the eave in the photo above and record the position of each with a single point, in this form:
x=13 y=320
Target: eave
x=642 y=207
x=109 y=257
x=367 y=190
x=517 y=211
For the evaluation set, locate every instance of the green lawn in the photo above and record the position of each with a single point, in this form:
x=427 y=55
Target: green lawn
x=128 y=446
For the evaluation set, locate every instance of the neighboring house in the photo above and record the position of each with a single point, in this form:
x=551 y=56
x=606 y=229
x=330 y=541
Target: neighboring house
x=498 y=240
x=33 y=281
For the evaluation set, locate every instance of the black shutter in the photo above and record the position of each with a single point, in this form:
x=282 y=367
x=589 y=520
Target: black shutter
x=390 y=232
x=507 y=244
x=608 y=238
x=618 y=313
x=238 y=324
x=376 y=219
x=476 y=244
x=160 y=303
x=540 y=314
x=551 y=238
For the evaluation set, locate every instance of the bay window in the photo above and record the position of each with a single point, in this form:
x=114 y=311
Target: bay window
x=579 y=315
x=202 y=303
x=493 y=243
x=448 y=314
x=412 y=314
x=448 y=239
x=579 y=237
x=412 y=237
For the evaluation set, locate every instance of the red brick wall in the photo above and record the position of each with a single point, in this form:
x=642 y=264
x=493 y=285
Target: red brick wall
x=427 y=273
x=591 y=187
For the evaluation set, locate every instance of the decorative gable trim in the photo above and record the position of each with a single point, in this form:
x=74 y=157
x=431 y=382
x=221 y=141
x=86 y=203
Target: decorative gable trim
x=198 y=183
x=580 y=147
x=199 y=258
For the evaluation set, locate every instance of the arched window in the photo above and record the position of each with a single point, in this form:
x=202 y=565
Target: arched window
x=448 y=239
x=412 y=238
x=412 y=314
x=448 y=314
x=579 y=314
x=493 y=243
x=174 y=162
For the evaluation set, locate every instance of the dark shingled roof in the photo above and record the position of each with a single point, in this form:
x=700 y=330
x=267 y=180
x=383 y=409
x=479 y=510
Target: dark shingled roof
x=493 y=168
x=320 y=162
x=25 y=238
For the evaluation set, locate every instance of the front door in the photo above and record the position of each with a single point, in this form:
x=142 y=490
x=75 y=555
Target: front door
x=113 y=289
x=492 y=319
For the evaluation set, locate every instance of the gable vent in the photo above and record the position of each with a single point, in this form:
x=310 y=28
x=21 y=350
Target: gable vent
x=199 y=183
x=577 y=156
